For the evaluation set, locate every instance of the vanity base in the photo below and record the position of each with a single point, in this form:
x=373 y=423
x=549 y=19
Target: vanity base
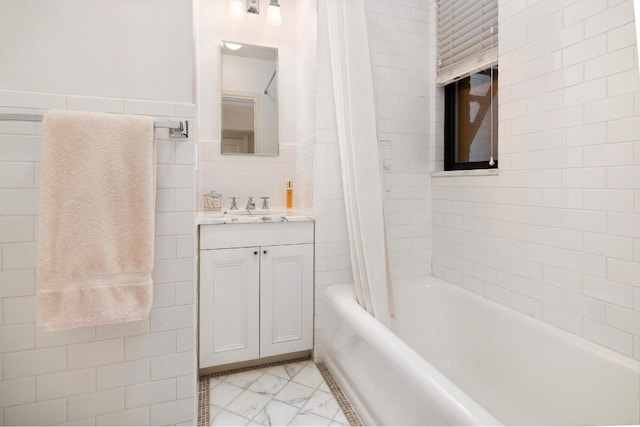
x=255 y=362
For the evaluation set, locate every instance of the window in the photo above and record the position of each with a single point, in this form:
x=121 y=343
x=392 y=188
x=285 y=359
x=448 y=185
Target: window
x=468 y=71
x=471 y=122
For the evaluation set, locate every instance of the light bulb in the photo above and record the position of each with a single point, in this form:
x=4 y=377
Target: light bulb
x=236 y=10
x=273 y=14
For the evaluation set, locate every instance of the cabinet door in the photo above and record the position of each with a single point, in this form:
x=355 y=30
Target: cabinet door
x=229 y=306
x=286 y=299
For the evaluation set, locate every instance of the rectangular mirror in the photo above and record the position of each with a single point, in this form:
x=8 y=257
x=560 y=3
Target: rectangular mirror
x=249 y=100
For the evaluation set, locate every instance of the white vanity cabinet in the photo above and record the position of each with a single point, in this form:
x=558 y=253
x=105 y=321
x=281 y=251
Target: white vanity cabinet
x=256 y=291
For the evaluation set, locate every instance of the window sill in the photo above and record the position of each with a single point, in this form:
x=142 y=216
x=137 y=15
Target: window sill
x=468 y=172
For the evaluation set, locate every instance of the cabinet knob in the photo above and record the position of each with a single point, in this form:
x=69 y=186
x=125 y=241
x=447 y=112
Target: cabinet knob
x=255 y=252
x=264 y=252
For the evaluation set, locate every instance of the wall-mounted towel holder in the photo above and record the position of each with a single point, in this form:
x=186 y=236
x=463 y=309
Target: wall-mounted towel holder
x=177 y=129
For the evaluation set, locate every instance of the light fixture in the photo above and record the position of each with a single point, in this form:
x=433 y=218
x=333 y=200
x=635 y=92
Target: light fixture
x=236 y=10
x=253 y=6
x=273 y=13
x=232 y=46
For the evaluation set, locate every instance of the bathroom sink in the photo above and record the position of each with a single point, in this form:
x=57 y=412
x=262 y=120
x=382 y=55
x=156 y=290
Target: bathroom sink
x=258 y=216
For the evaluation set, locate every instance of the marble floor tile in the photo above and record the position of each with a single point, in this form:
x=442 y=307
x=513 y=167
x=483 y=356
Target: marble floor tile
x=268 y=385
x=242 y=379
x=286 y=371
x=223 y=394
x=248 y=404
x=308 y=376
x=323 y=404
x=308 y=419
x=294 y=394
x=324 y=387
x=340 y=417
x=276 y=414
x=214 y=410
x=225 y=418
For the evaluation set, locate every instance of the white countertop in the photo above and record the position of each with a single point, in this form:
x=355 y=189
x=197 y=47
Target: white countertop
x=241 y=216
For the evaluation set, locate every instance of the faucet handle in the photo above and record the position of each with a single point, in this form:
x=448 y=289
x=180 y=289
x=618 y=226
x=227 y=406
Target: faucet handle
x=234 y=206
x=250 y=204
x=265 y=202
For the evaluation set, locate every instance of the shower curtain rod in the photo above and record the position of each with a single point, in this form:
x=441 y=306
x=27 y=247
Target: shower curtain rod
x=266 y=91
x=178 y=129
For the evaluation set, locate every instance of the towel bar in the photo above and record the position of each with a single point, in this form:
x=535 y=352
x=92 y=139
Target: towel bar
x=177 y=129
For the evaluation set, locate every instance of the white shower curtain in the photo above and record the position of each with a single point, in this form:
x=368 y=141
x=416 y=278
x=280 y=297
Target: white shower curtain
x=636 y=9
x=358 y=141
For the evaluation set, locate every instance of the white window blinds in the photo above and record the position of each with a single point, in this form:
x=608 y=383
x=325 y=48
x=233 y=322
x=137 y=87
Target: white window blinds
x=467 y=37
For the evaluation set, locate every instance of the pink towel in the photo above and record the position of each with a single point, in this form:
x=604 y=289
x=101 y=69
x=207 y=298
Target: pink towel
x=97 y=210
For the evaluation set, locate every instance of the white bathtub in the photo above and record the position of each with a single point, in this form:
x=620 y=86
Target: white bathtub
x=459 y=359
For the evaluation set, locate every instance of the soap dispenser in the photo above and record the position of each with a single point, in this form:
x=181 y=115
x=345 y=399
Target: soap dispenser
x=289 y=194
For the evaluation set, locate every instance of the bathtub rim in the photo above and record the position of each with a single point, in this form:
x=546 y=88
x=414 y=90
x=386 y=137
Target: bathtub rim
x=570 y=338
x=464 y=410
x=583 y=344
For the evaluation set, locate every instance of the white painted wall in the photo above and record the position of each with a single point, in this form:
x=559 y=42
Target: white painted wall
x=138 y=49
x=242 y=175
x=140 y=373
x=556 y=234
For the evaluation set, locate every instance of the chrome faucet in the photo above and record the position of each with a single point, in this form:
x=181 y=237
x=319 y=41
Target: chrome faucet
x=265 y=202
x=251 y=205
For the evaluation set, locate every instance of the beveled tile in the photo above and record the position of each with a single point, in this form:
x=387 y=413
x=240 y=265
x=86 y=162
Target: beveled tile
x=323 y=404
x=276 y=414
x=248 y=404
x=268 y=385
x=294 y=394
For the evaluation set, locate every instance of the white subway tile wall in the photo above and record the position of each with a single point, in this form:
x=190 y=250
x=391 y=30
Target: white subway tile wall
x=244 y=176
x=555 y=234
x=402 y=65
x=128 y=374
